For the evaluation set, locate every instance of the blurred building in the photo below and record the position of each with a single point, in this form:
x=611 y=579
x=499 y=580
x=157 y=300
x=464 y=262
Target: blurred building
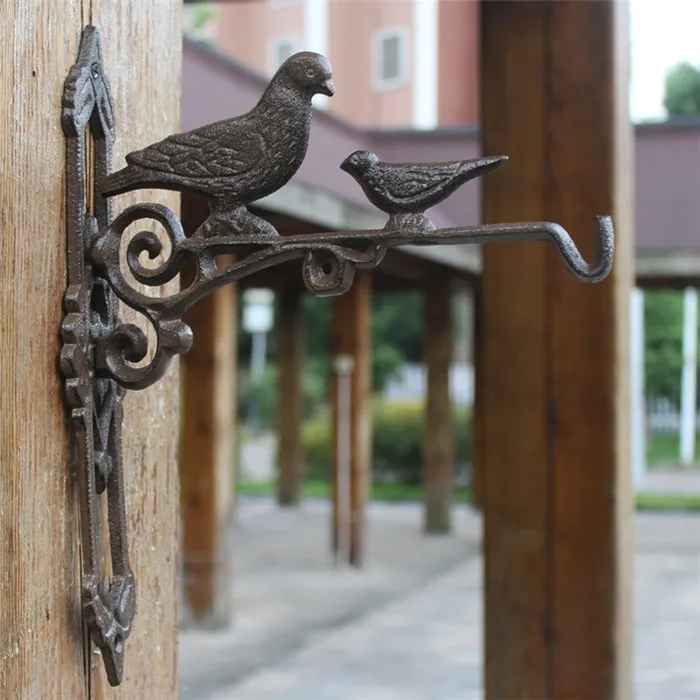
x=397 y=63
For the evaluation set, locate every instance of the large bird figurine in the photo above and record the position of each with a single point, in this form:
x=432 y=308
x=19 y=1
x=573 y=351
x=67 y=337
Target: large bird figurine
x=406 y=190
x=240 y=160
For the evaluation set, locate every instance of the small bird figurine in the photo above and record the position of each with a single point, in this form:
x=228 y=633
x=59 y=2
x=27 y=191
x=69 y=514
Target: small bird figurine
x=236 y=161
x=406 y=190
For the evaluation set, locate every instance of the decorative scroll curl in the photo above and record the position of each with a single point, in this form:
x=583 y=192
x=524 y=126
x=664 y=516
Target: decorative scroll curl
x=330 y=260
x=328 y=270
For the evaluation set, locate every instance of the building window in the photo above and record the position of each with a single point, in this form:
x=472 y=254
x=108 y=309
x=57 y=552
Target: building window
x=281 y=50
x=390 y=58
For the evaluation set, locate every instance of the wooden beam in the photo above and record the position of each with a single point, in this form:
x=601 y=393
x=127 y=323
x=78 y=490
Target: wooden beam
x=41 y=642
x=351 y=336
x=207 y=450
x=557 y=502
x=477 y=416
x=439 y=439
x=290 y=400
x=41 y=631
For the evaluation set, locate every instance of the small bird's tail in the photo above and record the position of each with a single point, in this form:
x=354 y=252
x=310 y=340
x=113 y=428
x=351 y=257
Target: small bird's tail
x=480 y=166
x=130 y=178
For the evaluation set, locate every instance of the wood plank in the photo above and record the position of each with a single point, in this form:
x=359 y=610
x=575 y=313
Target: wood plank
x=40 y=625
x=557 y=504
x=290 y=402
x=477 y=433
x=439 y=438
x=142 y=55
x=351 y=335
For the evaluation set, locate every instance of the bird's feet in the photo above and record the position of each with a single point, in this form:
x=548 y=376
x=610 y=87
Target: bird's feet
x=236 y=221
x=409 y=222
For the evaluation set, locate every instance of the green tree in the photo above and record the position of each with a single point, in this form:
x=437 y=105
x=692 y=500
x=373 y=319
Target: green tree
x=682 y=91
x=663 y=336
x=397 y=322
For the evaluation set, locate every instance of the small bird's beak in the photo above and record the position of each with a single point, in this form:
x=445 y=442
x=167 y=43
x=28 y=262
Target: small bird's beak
x=327 y=88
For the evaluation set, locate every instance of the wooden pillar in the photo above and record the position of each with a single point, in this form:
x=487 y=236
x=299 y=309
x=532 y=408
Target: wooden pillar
x=207 y=452
x=351 y=335
x=477 y=433
x=41 y=633
x=290 y=400
x=557 y=502
x=438 y=441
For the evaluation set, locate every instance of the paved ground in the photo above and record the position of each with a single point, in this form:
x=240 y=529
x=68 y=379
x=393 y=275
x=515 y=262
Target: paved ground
x=409 y=627
x=672 y=481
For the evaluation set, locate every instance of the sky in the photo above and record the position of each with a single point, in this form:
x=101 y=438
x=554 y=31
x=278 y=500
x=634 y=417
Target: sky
x=663 y=33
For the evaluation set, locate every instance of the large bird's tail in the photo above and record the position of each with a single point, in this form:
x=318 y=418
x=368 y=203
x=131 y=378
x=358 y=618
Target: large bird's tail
x=130 y=178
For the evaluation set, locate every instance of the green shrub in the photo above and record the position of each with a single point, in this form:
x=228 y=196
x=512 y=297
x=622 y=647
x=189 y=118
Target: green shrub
x=260 y=395
x=317 y=446
x=264 y=392
x=397 y=442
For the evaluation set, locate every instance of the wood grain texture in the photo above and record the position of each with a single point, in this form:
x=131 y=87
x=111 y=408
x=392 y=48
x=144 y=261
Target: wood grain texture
x=351 y=335
x=439 y=439
x=142 y=56
x=40 y=624
x=142 y=59
x=557 y=503
x=290 y=404
x=41 y=643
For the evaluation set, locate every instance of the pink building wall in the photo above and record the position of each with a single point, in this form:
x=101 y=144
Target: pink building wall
x=246 y=31
x=458 y=46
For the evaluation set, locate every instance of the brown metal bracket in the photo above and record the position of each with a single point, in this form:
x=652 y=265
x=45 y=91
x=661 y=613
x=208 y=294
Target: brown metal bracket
x=95 y=400
x=232 y=163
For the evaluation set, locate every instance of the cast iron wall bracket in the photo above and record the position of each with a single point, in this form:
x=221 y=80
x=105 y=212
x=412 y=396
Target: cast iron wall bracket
x=232 y=163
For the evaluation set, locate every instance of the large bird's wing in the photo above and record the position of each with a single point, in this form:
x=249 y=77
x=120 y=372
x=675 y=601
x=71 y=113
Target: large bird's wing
x=224 y=149
x=406 y=182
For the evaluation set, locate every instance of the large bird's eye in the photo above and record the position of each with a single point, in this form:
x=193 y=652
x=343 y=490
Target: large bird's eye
x=310 y=74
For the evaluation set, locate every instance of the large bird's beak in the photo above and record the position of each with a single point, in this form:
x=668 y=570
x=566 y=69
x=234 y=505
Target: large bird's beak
x=327 y=88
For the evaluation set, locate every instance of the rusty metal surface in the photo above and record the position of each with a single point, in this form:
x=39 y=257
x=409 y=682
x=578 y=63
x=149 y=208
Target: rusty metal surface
x=232 y=163
x=406 y=190
x=95 y=402
x=236 y=161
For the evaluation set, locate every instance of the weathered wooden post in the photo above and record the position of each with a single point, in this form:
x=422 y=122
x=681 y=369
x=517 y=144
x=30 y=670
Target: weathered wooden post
x=554 y=358
x=207 y=449
x=438 y=442
x=41 y=637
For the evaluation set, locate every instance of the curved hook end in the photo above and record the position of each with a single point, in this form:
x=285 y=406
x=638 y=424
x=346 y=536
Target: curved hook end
x=604 y=249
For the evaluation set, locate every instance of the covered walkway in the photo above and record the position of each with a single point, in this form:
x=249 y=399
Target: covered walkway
x=409 y=626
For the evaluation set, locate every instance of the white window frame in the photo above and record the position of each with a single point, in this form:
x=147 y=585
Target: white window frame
x=272 y=50
x=404 y=35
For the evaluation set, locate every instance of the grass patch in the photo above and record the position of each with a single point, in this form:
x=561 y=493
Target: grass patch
x=317 y=488
x=401 y=493
x=662 y=449
x=668 y=502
